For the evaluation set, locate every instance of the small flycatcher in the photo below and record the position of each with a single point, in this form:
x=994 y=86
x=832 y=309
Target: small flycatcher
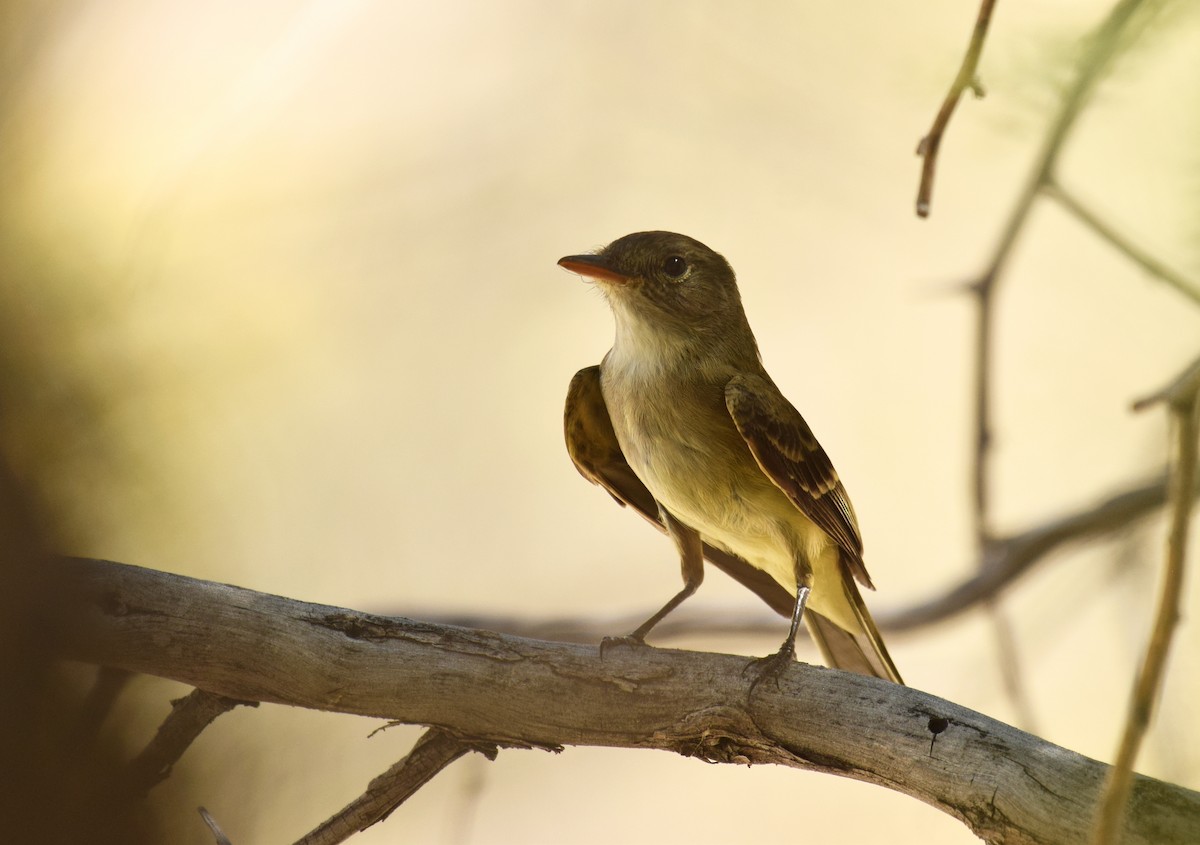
x=681 y=422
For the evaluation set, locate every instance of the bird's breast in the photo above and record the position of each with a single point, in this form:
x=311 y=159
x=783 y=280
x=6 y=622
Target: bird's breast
x=680 y=440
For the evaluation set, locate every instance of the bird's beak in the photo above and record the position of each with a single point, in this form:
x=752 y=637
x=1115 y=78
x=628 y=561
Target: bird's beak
x=594 y=267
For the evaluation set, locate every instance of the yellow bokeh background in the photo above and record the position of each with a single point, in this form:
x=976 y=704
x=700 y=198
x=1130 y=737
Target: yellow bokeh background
x=306 y=254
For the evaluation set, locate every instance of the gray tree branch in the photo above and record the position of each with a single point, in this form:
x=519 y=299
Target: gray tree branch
x=1005 y=785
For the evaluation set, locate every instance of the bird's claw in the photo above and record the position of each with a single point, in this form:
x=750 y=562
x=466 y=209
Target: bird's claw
x=770 y=667
x=629 y=641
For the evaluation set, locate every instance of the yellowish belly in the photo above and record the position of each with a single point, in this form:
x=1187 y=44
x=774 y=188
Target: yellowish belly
x=694 y=461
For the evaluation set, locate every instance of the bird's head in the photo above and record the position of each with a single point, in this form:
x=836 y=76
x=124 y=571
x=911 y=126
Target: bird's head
x=666 y=286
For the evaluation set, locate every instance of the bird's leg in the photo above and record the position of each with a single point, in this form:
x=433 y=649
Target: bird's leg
x=691 y=561
x=775 y=664
x=788 y=649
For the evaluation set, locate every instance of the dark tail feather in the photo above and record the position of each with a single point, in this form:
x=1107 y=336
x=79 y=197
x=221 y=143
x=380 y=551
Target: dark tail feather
x=863 y=653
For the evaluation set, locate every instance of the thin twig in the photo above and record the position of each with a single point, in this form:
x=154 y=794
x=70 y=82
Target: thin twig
x=470 y=795
x=1174 y=392
x=1010 y=667
x=1104 y=42
x=432 y=753
x=188 y=717
x=108 y=686
x=1007 y=559
x=1121 y=243
x=1184 y=404
x=932 y=142
x=982 y=409
x=1103 y=45
x=214 y=828
x=1002 y=563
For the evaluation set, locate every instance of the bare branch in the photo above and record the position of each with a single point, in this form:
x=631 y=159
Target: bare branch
x=188 y=717
x=1178 y=393
x=1010 y=668
x=218 y=834
x=1007 y=786
x=1001 y=564
x=1007 y=559
x=932 y=142
x=1121 y=243
x=1184 y=402
x=1103 y=45
x=434 y=751
x=108 y=686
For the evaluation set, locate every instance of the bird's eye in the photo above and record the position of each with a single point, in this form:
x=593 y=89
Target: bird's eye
x=674 y=266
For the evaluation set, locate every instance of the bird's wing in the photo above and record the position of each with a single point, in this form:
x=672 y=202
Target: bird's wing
x=597 y=455
x=593 y=447
x=788 y=452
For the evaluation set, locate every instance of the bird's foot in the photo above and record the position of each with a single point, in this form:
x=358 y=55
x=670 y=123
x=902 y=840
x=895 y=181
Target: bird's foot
x=771 y=667
x=629 y=641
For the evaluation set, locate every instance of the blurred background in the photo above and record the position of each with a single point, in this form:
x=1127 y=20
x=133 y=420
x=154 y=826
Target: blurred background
x=280 y=309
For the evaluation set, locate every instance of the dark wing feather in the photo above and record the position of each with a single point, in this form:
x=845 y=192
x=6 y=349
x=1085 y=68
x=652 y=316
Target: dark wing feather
x=593 y=447
x=597 y=455
x=790 y=455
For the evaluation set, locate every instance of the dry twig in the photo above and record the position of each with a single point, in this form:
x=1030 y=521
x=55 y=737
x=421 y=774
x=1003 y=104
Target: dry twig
x=1002 y=563
x=932 y=142
x=218 y=835
x=1004 y=560
x=1120 y=242
x=1183 y=401
x=108 y=686
x=188 y=717
x=434 y=751
x=1103 y=46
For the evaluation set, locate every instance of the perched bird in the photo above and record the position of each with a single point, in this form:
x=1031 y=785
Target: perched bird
x=681 y=422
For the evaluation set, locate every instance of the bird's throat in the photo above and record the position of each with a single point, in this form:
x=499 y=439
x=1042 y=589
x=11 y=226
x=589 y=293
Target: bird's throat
x=643 y=346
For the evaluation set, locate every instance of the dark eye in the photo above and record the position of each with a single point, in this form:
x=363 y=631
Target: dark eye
x=674 y=266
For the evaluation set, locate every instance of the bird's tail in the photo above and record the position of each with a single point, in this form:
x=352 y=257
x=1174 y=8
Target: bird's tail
x=860 y=651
